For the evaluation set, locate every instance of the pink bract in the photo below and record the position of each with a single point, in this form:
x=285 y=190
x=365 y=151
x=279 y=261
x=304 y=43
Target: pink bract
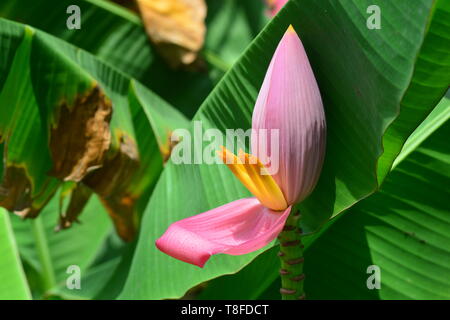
x=289 y=100
x=239 y=227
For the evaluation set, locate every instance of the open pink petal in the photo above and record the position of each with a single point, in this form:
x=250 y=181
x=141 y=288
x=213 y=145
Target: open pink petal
x=289 y=100
x=236 y=228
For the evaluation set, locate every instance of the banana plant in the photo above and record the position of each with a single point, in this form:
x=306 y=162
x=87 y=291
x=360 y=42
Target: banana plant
x=86 y=133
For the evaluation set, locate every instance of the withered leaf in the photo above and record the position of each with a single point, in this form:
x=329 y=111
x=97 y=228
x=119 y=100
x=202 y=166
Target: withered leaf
x=79 y=197
x=176 y=27
x=80 y=138
x=15 y=189
x=166 y=149
x=111 y=182
x=16 y=193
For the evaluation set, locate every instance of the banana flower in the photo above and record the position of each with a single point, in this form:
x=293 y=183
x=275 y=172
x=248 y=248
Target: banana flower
x=289 y=101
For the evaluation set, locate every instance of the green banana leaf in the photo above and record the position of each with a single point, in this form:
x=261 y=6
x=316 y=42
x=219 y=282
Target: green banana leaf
x=363 y=76
x=105 y=277
x=13 y=284
x=48 y=254
x=430 y=80
x=403 y=229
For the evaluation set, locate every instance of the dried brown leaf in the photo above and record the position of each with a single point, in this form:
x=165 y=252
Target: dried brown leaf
x=15 y=189
x=176 y=27
x=111 y=182
x=167 y=147
x=79 y=197
x=81 y=136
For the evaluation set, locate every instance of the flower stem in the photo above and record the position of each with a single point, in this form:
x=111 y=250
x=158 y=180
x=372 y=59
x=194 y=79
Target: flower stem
x=291 y=256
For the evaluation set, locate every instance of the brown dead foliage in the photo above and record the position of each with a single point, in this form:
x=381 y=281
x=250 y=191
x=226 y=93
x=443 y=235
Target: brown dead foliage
x=176 y=27
x=81 y=136
x=16 y=193
x=111 y=182
x=79 y=197
x=15 y=189
x=166 y=149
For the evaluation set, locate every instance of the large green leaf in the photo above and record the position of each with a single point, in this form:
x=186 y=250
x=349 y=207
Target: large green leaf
x=430 y=80
x=13 y=284
x=404 y=229
x=363 y=76
x=50 y=253
x=106 y=275
x=117 y=36
x=439 y=116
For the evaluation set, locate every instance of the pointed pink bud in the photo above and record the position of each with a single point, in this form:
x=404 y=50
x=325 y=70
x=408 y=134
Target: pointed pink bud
x=239 y=227
x=289 y=100
x=275 y=6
